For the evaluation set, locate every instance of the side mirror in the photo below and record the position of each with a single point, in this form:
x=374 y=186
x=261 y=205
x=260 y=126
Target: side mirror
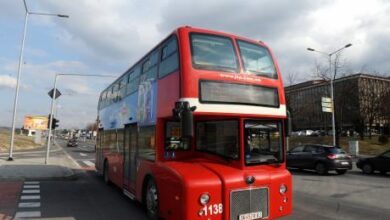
x=187 y=124
x=184 y=113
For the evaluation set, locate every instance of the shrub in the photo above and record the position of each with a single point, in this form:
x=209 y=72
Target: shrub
x=383 y=139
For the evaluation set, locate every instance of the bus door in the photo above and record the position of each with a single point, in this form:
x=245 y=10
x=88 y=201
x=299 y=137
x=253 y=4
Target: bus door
x=129 y=165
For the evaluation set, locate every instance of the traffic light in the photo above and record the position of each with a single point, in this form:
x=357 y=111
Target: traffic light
x=54 y=123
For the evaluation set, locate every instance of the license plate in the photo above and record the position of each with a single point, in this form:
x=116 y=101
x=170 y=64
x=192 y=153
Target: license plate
x=251 y=216
x=344 y=163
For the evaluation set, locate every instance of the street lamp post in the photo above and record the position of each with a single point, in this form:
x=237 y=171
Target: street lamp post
x=332 y=78
x=27 y=13
x=53 y=103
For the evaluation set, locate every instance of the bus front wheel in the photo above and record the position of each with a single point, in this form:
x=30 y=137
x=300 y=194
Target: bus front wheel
x=151 y=199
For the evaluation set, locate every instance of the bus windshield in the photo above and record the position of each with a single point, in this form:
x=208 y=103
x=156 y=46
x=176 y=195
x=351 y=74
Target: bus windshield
x=257 y=60
x=218 y=137
x=263 y=143
x=213 y=53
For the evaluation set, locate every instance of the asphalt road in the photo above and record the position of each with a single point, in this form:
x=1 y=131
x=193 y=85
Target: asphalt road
x=87 y=197
x=349 y=196
x=83 y=154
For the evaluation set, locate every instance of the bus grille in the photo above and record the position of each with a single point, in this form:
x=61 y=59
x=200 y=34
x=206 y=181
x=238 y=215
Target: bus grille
x=248 y=201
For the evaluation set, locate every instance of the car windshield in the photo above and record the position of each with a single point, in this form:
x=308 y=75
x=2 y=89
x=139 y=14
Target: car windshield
x=257 y=60
x=263 y=143
x=213 y=53
x=218 y=137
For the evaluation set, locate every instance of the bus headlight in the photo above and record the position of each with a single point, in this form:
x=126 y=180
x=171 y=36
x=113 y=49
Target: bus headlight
x=282 y=189
x=204 y=198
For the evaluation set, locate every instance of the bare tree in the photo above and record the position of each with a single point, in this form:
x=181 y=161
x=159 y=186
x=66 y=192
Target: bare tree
x=292 y=78
x=92 y=126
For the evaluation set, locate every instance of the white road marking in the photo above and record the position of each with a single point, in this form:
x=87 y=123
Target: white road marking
x=89 y=163
x=67 y=154
x=83 y=155
x=30 y=191
x=28 y=214
x=31 y=182
x=29 y=204
x=31 y=186
x=31 y=197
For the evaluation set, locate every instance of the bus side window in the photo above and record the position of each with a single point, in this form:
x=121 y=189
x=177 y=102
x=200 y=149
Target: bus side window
x=149 y=68
x=169 y=58
x=133 y=80
x=147 y=143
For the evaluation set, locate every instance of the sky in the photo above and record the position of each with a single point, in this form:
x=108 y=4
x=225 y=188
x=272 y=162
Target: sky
x=108 y=36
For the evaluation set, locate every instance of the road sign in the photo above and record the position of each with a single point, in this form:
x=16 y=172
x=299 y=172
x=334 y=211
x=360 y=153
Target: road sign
x=325 y=109
x=326 y=104
x=51 y=93
x=326 y=99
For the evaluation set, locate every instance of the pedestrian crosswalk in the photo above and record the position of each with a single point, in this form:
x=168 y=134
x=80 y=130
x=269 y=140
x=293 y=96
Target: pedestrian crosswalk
x=29 y=203
x=88 y=163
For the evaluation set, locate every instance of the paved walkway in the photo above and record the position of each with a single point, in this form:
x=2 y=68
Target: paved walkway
x=9 y=194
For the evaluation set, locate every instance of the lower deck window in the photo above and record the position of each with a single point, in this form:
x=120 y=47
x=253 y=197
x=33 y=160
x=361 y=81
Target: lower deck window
x=263 y=143
x=147 y=143
x=218 y=137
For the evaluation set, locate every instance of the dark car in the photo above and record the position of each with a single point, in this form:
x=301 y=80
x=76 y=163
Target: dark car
x=72 y=143
x=320 y=158
x=380 y=163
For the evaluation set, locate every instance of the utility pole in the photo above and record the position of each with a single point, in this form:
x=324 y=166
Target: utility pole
x=332 y=78
x=27 y=13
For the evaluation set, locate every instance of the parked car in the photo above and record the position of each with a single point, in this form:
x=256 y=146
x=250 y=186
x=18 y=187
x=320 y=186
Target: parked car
x=72 y=143
x=379 y=163
x=321 y=158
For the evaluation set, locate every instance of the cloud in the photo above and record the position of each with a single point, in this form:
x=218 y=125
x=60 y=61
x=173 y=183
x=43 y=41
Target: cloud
x=107 y=37
x=9 y=82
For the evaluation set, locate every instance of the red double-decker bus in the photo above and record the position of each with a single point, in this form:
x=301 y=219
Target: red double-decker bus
x=196 y=130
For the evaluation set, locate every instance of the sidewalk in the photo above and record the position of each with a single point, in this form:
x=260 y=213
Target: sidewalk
x=60 y=166
x=30 y=165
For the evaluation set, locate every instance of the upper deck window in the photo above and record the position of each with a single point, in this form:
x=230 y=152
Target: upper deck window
x=169 y=58
x=212 y=52
x=257 y=60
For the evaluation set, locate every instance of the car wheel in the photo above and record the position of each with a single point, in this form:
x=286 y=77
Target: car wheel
x=383 y=172
x=105 y=173
x=151 y=200
x=340 y=172
x=321 y=169
x=367 y=168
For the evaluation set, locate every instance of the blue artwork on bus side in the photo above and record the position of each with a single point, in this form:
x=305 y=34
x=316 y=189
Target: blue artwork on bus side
x=138 y=107
x=145 y=100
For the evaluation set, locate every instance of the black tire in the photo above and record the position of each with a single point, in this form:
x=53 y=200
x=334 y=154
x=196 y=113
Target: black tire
x=151 y=201
x=340 y=172
x=105 y=173
x=383 y=172
x=367 y=168
x=321 y=168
